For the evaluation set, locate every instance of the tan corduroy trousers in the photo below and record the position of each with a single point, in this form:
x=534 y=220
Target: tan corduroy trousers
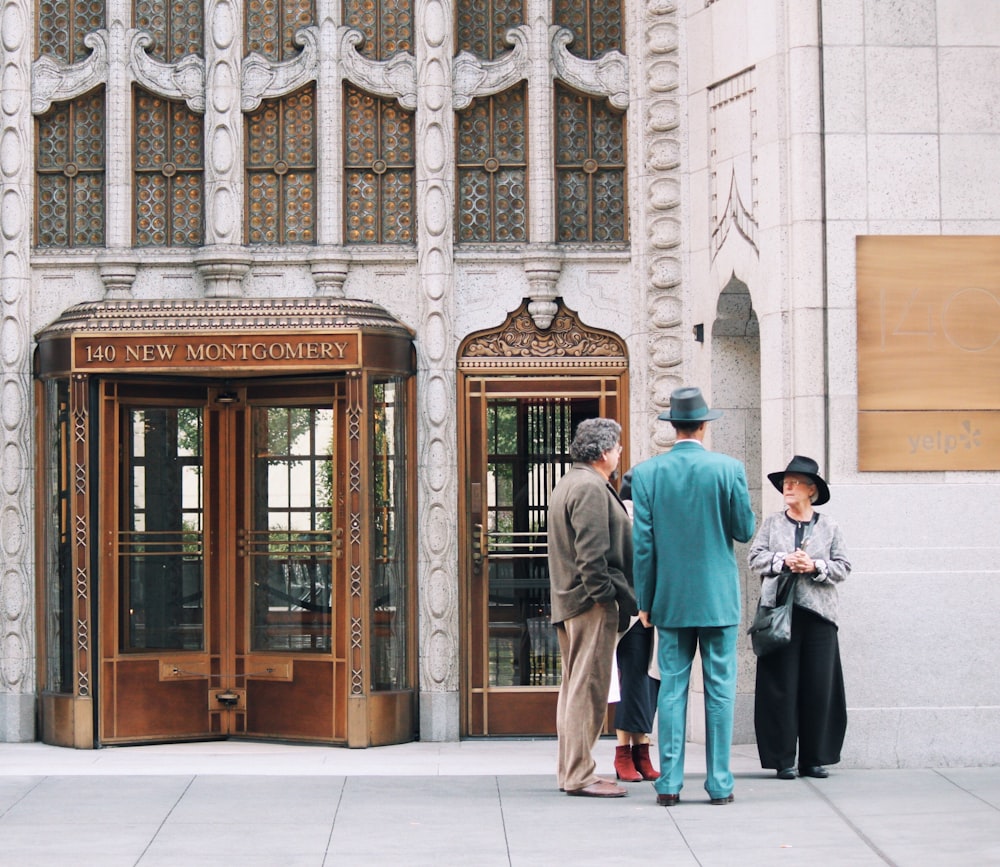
x=587 y=644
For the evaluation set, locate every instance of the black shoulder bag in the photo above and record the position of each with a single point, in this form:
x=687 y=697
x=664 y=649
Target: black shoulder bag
x=772 y=625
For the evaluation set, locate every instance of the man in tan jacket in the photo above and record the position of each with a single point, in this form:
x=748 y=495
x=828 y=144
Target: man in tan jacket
x=590 y=567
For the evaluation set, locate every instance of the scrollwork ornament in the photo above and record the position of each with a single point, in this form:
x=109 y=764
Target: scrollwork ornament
x=55 y=81
x=395 y=78
x=182 y=80
x=473 y=78
x=261 y=79
x=605 y=77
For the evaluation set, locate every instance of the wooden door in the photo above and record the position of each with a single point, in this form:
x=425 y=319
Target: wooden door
x=517 y=433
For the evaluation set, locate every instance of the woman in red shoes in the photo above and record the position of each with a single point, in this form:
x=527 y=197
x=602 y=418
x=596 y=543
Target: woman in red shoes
x=636 y=691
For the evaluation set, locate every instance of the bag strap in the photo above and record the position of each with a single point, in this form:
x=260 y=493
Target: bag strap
x=786 y=581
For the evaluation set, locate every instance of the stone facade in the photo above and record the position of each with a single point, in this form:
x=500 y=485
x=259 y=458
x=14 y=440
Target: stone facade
x=763 y=138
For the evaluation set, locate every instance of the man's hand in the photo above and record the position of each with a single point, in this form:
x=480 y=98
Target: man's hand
x=644 y=619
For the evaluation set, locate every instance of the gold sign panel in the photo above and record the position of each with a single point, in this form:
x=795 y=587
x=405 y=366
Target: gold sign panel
x=928 y=352
x=929 y=440
x=102 y=353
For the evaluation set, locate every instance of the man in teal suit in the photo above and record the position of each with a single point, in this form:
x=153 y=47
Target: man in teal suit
x=689 y=505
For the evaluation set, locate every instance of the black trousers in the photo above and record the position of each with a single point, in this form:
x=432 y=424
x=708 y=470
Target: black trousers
x=800 y=697
x=637 y=706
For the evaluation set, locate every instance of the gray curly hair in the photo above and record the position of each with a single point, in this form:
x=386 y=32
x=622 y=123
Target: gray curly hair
x=594 y=436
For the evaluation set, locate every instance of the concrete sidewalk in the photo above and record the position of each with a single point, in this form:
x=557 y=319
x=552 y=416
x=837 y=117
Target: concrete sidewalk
x=484 y=802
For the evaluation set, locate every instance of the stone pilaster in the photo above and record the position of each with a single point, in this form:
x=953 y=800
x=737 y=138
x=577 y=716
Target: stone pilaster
x=656 y=182
x=17 y=637
x=437 y=464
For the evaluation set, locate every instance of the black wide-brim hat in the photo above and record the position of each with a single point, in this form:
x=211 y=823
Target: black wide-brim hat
x=688 y=404
x=803 y=466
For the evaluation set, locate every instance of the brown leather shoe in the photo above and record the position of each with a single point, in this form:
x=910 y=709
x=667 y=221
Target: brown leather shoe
x=718 y=802
x=600 y=789
x=667 y=800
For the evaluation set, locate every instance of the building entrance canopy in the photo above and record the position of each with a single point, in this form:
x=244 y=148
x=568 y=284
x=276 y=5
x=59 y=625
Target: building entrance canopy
x=224 y=337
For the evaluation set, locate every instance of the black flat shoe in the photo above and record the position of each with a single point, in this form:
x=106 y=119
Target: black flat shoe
x=786 y=774
x=817 y=771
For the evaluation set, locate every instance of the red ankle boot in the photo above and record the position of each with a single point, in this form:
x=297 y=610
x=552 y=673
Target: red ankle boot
x=642 y=764
x=623 y=765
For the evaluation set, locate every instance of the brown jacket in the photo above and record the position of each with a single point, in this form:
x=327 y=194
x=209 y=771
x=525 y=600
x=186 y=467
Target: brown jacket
x=590 y=546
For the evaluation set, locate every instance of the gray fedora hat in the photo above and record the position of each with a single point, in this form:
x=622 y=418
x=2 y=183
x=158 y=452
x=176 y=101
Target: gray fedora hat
x=687 y=404
x=802 y=466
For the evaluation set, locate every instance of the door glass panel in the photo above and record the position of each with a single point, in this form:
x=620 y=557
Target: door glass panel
x=527 y=453
x=390 y=595
x=290 y=541
x=161 y=543
x=60 y=588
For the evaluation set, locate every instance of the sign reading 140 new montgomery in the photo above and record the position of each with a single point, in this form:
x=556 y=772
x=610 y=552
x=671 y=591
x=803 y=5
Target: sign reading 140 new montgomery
x=928 y=352
x=101 y=353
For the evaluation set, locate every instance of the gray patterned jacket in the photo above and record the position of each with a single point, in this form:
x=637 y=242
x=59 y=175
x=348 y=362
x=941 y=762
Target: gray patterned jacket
x=816 y=591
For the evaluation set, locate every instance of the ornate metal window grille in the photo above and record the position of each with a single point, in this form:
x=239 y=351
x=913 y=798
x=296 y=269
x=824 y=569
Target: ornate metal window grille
x=387 y=26
x=281 y=170
x=271 y=26
x=379 y=163
x=590 y=170
x=492 y=169
x=70 y=166
x=596 y=25
x=169 y=173
x=177 y=28
x=62 y=24
x=482 y=25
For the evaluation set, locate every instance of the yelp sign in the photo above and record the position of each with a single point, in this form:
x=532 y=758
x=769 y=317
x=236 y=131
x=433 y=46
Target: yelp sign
x=945 y=442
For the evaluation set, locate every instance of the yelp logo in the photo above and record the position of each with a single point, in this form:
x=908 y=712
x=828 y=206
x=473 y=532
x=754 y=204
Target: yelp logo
x=966 y=438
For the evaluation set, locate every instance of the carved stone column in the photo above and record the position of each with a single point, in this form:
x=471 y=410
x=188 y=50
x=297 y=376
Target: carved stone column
x=541 y=148
x=437 y=433
x=17 y=647
x=118 y=263
x=331 y=261
x=118 y=102
x=222 y=262
x=657 y=231
x=330 y=129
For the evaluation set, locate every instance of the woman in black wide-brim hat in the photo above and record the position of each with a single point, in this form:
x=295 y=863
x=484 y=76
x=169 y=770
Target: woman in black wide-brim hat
x=800 y=710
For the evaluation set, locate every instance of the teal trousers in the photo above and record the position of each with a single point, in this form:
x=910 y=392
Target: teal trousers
x=718 y=665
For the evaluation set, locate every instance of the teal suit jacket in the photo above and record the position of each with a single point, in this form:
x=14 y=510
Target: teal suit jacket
x=689 y=506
